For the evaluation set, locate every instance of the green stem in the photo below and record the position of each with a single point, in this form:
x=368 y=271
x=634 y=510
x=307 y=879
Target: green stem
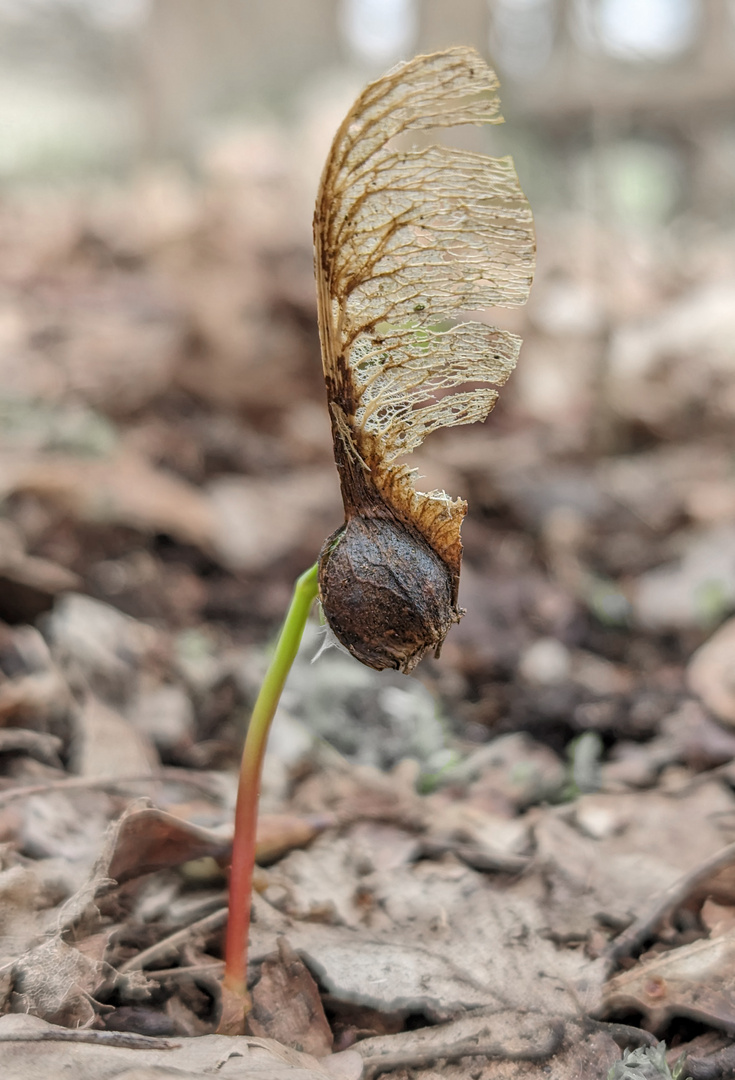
x=246 y=811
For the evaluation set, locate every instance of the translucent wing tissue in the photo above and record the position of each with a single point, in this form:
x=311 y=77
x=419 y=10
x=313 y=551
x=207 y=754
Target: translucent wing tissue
x=408 y=240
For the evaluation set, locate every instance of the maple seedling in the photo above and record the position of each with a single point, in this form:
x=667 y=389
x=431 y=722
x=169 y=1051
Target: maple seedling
x=251 y=767
x=408 y=240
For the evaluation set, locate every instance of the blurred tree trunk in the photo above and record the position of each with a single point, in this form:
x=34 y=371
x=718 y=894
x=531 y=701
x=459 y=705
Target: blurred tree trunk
x=453 y=22
x=226 y=55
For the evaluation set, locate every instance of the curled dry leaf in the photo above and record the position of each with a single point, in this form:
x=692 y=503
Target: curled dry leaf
x=694 y=980
x=406 y=241
x=287 y=1005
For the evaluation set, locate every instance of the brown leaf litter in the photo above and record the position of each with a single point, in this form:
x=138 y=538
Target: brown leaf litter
x=430 y=908
x=462 y=887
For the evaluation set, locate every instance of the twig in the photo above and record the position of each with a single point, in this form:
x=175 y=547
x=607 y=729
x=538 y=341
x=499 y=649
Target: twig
x=193 y=971
x=126 y=1039
x=376 y=1064
x=624 y=1035
x=203 y=781
x=162 y=948
x=666 y=902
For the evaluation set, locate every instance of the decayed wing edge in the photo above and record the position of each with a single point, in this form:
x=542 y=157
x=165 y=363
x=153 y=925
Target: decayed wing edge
x=436 y=515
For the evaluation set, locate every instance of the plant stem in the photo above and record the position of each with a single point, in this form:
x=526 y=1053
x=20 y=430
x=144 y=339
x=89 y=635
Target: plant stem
x=246 y=810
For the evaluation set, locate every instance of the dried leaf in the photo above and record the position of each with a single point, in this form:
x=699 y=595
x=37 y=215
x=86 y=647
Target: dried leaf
x=99 y=644
x=33 y=692
x=31 y=1048
x=694 y=591
x=151 y=839
x=36 y=744
x=453 y=945
x=598 y=858
x=28 y=585
x=258 y=521
x=27 y=897
x=98 y=728
x=287 y=1006
x=55 y=981
x=406 y=242
x=279 y=833
x=122 y=490
x=53 y=825
x=138 y=843
x=695 y=981
x=710 y=673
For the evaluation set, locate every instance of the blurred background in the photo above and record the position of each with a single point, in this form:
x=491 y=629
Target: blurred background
x=625 y=104
x=164 y=445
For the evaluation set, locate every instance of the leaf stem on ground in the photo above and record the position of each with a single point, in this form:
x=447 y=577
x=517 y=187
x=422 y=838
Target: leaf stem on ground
x=246 y=810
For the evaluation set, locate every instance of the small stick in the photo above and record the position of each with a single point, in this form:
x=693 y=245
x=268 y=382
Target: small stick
x=202 y=781
x=167 y=944
x=665 y=902
x=376 y=1064
x=246 y=810
x=127 y=1039
x=193 y=971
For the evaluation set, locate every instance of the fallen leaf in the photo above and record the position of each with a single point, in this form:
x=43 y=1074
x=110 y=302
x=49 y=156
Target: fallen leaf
x=597 y=857
x=321 y=883
x=124 y=490
x=149 y=839
x=717 y=919
x=98 y=728
x=54 y=825
x=512 y=771
x=711 y=673
x=28 y=896
x=695 y=738
x=286 y=1004
x=32 y=1048
x=481 y=839
x=34 y=693
x=258 y=521
x=164 y=714
x=454 y=944
x=694 y=980
x=280 y=833
x=28 y=585
x=57 y=982
x=693 y=592
x=36 y=744
x=102 y=645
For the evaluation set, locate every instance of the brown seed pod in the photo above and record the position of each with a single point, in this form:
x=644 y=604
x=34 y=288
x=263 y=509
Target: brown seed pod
x=407 y=241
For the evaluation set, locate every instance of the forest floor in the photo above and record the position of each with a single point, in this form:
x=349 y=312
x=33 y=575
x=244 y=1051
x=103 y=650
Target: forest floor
x=517 y=861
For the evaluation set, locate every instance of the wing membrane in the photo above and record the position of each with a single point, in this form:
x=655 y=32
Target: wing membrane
x=406 y=242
